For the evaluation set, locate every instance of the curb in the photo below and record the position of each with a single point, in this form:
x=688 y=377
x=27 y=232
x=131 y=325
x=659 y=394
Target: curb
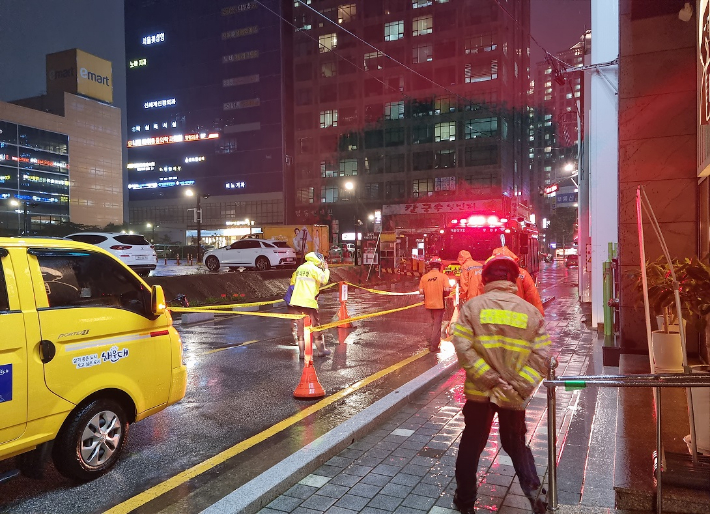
x=260 y=491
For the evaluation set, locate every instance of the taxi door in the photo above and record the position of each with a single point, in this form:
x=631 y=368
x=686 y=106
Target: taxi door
x=13 y=352
x=97 y=328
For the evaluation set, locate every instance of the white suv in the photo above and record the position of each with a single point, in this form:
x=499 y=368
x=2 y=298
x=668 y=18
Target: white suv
x=132 y=249
x=251 y=253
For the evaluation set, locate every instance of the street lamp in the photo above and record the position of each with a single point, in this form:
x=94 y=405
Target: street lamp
x=350 y=186
x=198 y=219
x=152 y=227
x=15 y=202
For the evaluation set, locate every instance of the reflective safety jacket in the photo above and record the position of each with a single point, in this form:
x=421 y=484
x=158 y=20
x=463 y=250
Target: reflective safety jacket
x=501 y=342
x=470 y=281
x=434 y=286
x=307 y=281
x=527 y=290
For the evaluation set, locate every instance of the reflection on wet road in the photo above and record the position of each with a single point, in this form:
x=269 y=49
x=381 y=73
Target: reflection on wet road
x=241 y=375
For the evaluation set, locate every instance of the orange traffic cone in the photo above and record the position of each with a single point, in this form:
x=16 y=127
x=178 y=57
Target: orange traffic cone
x=309 y=387
x=343 y=312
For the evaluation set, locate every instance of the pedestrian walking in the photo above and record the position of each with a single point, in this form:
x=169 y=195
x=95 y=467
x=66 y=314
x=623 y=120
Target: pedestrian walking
x=307 y=280
x=434 y=285
x=470 y=284
x=501 y=342
x=527 y=290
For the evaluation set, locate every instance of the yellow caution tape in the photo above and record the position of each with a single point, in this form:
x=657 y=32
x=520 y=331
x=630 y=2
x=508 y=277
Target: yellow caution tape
x=232 y=305
x=362 y=316
x=241 y=313
x=378 y=291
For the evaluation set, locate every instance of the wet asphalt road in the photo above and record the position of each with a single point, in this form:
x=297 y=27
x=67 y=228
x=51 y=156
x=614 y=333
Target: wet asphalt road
x=242 y=372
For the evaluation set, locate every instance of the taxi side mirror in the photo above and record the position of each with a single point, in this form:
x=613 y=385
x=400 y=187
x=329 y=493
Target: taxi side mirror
x=157 y=300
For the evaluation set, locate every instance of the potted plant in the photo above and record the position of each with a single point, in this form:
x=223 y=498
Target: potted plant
x=693 y=277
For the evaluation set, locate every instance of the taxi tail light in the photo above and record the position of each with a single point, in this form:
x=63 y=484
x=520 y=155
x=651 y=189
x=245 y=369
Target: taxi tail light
x=120 y=247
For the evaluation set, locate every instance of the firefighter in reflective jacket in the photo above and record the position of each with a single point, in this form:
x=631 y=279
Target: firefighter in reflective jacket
x=502 y=345
x=307 y=280
x=526 y=285
x=470 y=278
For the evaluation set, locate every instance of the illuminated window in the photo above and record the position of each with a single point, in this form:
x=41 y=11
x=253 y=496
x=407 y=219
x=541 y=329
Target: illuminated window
x=444 y=104
x=346 y=13
x=482 y=127
x=328 y=69
x=394 y=110
x=373 y=61
x=327 y=42
x=329 y=118
x=480 y=72
x=416 y=4
x=423 y=187
x=422 y=53
x=445 y=131
x=394 y=30
x=329 y=194
x=481 y=43
x=422 y=25
x=305 y=195
x=348 y=167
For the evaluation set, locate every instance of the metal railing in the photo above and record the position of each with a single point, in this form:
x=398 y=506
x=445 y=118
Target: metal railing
x=656 y=381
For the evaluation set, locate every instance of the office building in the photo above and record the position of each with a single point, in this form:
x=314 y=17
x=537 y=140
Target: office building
x=421 y=100
x=208 y=110
x=60 y=153
x=556 y=100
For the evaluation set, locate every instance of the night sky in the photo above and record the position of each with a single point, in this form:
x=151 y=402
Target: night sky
x=29 y=29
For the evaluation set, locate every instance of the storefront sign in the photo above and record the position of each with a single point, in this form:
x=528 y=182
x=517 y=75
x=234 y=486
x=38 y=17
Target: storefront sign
x=440 y=207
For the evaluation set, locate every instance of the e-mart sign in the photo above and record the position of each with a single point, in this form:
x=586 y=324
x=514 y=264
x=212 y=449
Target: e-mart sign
x=76 y=71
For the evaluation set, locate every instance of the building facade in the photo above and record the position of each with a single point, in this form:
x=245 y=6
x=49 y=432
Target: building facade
x=555 y=123
x=209 y=110
x=61 y=153
x=403 y=101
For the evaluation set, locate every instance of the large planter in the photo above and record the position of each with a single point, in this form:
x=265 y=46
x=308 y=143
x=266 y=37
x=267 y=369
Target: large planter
x=667 y=352
x=701 y=410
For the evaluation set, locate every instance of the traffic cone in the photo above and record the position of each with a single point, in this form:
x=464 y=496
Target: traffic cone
x=309 y=387
x=343 y=312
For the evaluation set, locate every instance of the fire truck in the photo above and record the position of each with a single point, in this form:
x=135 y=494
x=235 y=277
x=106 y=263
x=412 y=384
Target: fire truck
x=480 y=233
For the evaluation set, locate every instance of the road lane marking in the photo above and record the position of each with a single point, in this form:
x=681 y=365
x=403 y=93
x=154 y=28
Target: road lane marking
x=230 y=347
x=190 y=473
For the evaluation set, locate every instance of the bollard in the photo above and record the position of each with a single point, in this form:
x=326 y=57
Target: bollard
x=552 y=438
x=308 y=387
x=177 y=255
x=608 y=312
x=166 y=259
x=343 y=312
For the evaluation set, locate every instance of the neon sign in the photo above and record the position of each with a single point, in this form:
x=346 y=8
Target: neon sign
x=136 y=63
x=235 y=185
x=198 y=158
x=176 y=138
x=155 y=38
x=159 y=103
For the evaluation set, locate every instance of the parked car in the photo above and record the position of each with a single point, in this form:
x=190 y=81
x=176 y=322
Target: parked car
x=132 y=249
x=109 y=356
x=251 y=253
x=572 y=260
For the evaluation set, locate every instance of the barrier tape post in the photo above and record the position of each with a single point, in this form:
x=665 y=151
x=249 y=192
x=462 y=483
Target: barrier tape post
x=343 y=312
x=308 y=387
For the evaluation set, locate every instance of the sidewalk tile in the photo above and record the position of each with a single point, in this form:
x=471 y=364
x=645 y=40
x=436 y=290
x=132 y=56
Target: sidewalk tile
x=350 y=501
x=406 y=479
x=386 y=469
x=365 y=490
x=488 y=502
x=301 y=491
x=384 y=502
x=345 y=479
x=403 y=432
x=356 y=470
x=318 y=502
x=419 y=502
x=376 y=480
x=285 y=503
x=412 y=469
x=408 y=510
x=430 y=490
x=333 y=490
x=338 y=510
x=398 y=490
x=519 y=502
x=314 y=480
x=442 y=510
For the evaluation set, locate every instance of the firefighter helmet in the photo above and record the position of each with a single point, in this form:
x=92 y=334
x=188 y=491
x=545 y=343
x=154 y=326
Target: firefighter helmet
x=500 y=262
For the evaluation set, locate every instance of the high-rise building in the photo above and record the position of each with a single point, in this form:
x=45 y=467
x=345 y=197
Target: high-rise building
x=554 y=123
x=208 y=110
x=404 y=101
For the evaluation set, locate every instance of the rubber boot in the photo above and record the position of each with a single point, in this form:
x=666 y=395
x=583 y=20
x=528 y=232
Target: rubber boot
x=294 y=332
x=320 y=344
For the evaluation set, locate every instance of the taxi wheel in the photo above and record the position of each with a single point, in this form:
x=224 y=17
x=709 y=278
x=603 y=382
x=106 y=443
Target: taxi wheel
x=262 y=263
x=212 y=263
x=91 y=440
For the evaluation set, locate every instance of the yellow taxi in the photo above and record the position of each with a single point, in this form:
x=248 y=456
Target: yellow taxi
x=87 y=348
